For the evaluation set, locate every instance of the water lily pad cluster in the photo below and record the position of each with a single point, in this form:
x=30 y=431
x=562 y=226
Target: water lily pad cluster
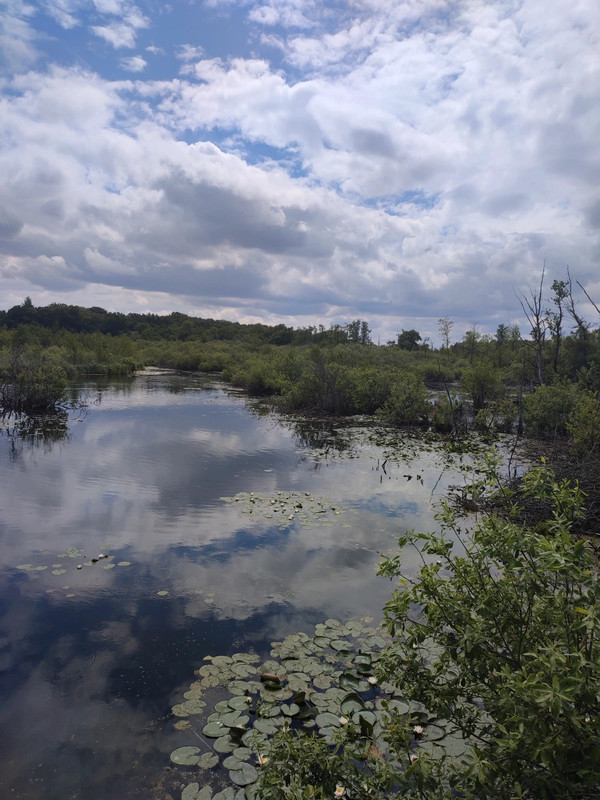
x=285 y=508
x=323 y=683
x=100 y=561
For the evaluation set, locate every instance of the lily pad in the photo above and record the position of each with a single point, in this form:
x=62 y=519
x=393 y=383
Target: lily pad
x=190 y=792
x=265 y=726
x=208 y=760
x=226 y=794
x=235 y=720
x=245 y=775
x=237 y=703
x=214 y=730
x=351 y=703
x=225 y=744
x=187 y=756
x=328 y=720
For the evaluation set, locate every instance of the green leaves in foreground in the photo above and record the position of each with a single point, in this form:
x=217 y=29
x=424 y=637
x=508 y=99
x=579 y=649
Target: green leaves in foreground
x=510 y=621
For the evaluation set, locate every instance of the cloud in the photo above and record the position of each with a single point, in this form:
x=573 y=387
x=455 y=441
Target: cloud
x=123 y=32
x=17 y=36
x=134 y=64
x=394 y=156
x=189 y=52
x=118 y=34
x=65 y=12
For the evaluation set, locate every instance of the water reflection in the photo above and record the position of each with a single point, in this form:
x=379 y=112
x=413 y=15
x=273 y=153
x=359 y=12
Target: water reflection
x=92 y=655
x=23 y=432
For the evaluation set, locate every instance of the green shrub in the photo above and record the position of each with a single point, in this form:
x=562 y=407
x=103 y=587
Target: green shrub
x=408 y=403
x=447 y=415
x=498 y=417
x=32 y=381
x=369 y=389
x=482 y=382
x=501 y=638
x=583 y=423
x=547 y=410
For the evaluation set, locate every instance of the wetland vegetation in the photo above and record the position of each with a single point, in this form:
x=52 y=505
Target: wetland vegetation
x=483 y=678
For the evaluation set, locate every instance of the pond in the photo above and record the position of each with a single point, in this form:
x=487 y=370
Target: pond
x=131 y=548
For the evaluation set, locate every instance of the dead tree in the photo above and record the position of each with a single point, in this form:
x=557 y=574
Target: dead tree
x=533 y=309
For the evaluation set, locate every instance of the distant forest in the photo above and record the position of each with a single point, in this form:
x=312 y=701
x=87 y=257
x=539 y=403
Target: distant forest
x=175 y=326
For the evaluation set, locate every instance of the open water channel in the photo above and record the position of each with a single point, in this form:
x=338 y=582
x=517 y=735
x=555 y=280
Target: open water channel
x=94 y=653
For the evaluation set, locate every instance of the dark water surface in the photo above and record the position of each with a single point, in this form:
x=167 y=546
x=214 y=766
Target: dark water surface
x=92 y=659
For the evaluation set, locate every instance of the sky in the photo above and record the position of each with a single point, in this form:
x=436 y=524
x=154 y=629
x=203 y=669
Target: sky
x=300 y=161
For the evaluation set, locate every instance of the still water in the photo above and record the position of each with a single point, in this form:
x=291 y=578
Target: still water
x=93 y=658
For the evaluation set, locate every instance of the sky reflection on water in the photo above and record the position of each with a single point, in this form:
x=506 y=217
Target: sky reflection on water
x=93 y=658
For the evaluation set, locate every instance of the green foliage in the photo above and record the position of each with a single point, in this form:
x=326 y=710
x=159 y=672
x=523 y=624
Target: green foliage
x=447 y=415
x=482 y=382
x=498 y=634
x=409 y=340
x=305 y=767
x=547 y=410
x=33 y=378
x=497 y=417
x=408 y=403
x=583 y=424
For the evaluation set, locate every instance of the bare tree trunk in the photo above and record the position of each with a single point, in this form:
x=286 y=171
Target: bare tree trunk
x=532 y=308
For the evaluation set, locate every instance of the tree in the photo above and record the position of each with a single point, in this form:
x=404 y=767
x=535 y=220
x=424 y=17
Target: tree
x=555 y=318
x=532 y=308
x=353 y=329
x=446 y=325
x=470 y=339
x=365 y=332
x=502 y=334
x=409 y=340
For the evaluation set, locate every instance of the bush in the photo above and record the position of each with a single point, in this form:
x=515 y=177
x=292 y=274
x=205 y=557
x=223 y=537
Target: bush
x=547 y=410
x=482 y=382
x=408 y=403
x=33 y=382
x=583 y=424
x=505 y=646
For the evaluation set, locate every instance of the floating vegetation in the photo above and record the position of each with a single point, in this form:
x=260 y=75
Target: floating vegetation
x=325 y=683
x=285 y=508
x=102 y=560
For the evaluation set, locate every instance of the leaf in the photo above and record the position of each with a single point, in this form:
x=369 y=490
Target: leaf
x=352 y=702
x=349 y=681
x=190 y=792
x=187 y=756
x=327 y=720
x=226 y=794
x=225 y=744
x=214 y=730
x=244 y=776
x=208 y=760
